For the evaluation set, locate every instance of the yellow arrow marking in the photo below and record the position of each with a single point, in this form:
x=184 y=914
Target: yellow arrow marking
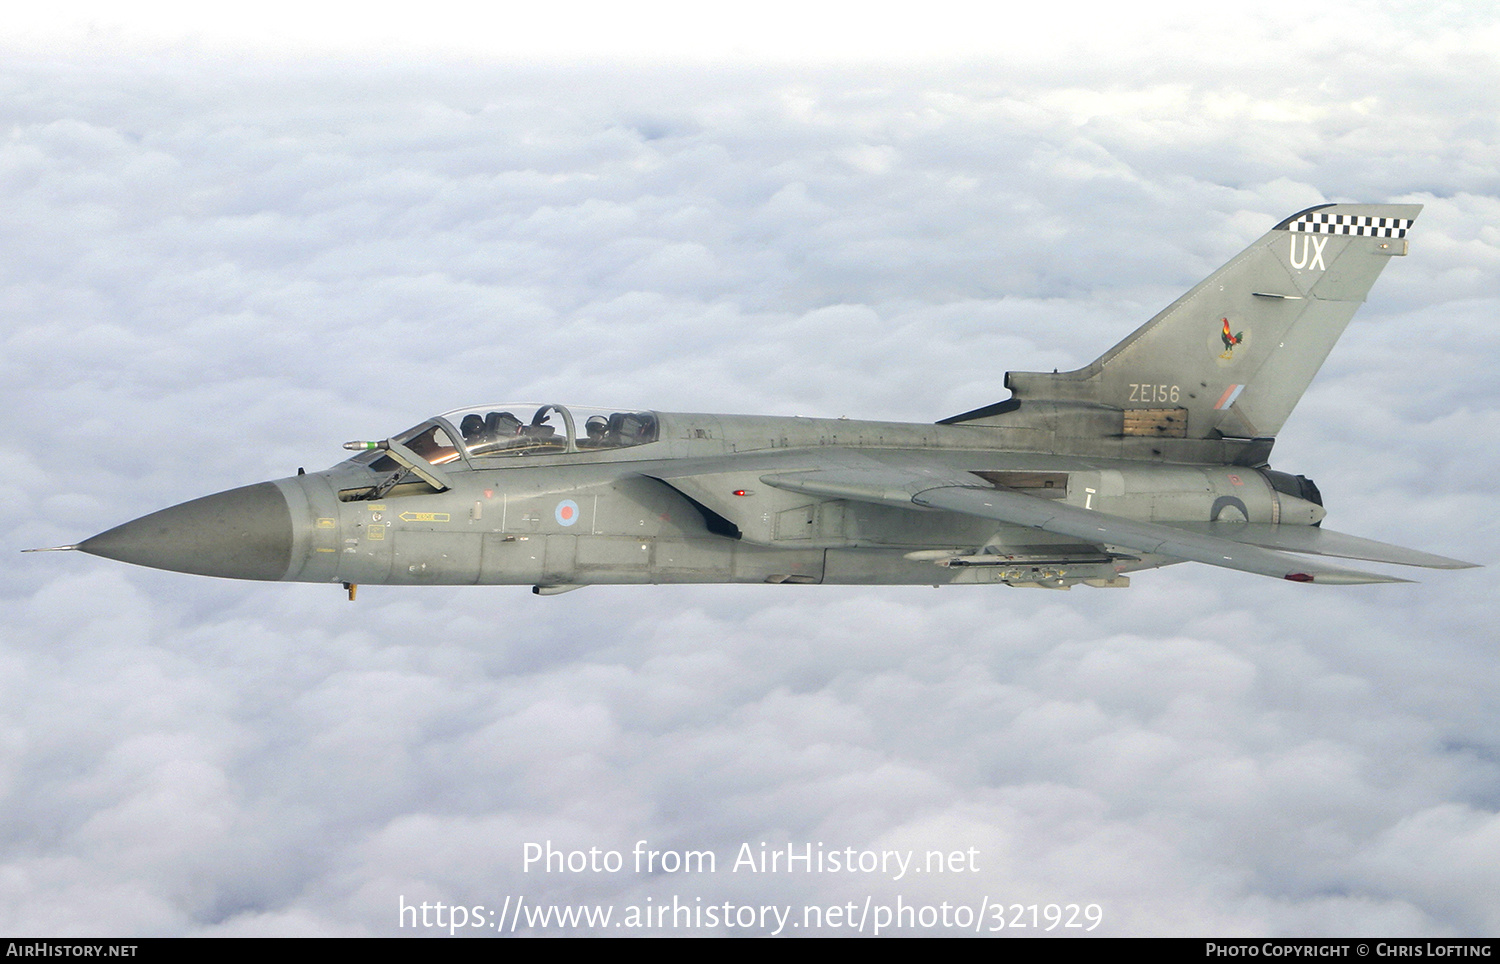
x=424 y=517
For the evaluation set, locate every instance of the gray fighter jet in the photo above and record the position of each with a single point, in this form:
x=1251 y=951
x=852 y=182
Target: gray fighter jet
x=1154 y=454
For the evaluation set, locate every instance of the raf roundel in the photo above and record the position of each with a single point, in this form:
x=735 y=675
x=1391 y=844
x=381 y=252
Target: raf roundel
x=567 y=512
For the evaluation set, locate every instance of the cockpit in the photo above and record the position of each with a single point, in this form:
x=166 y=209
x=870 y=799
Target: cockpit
x=518 y=430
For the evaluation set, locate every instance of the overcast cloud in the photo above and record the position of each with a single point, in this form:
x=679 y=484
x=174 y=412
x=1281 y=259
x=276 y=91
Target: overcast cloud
x=216 y=267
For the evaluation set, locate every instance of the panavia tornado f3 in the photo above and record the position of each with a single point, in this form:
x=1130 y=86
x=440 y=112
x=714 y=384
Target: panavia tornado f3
x=1156 y=453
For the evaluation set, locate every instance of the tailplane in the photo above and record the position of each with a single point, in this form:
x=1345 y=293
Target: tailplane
x=1232 y=357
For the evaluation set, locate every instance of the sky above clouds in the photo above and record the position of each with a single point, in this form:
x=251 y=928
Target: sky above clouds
x=229 y=245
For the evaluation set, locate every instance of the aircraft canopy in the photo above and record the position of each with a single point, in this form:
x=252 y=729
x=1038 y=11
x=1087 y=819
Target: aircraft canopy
x=517 y=429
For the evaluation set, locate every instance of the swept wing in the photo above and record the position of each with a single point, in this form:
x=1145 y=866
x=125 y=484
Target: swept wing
x=1215 y=544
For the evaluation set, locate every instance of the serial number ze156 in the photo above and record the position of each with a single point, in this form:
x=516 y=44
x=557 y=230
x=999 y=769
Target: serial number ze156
x=1154 y=393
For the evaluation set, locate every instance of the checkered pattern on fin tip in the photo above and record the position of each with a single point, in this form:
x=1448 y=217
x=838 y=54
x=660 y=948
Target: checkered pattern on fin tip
x=1318 y=222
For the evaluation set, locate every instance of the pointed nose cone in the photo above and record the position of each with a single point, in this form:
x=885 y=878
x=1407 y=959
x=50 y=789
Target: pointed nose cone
x=241 y=534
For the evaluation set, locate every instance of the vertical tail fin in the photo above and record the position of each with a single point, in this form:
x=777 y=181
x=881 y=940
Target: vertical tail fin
x=1233 y=356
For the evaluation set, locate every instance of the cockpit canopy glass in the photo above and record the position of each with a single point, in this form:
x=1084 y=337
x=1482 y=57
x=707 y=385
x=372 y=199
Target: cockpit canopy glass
x=519 y=429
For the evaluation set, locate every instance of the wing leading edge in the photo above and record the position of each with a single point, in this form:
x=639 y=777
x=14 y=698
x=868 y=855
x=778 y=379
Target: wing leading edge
x=1214 y=547
x=1321 y=542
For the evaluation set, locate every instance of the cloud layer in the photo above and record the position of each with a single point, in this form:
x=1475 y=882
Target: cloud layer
x=215 y=272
